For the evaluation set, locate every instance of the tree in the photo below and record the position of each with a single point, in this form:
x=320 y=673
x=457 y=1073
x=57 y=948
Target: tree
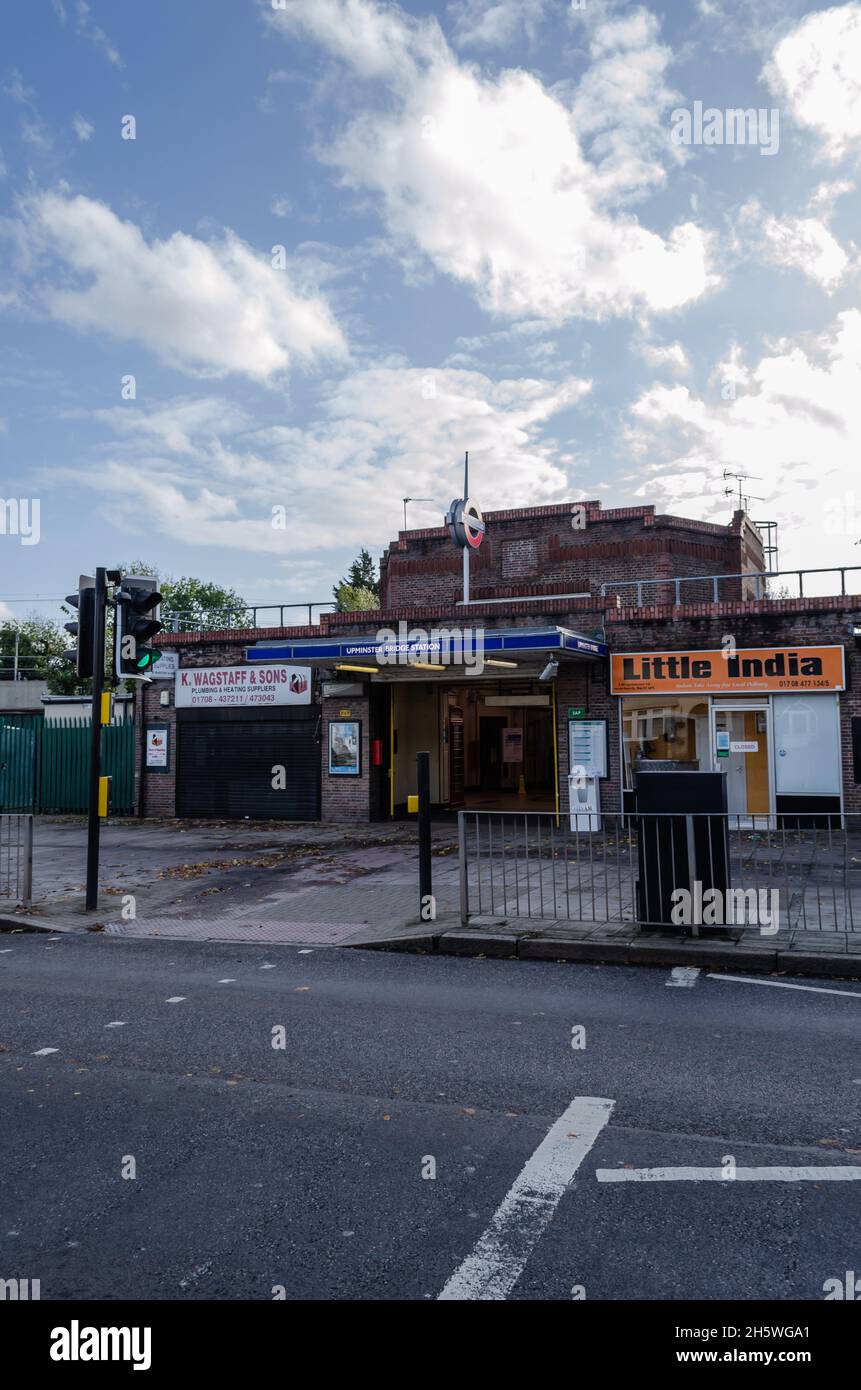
x=40 y=644
x=355 y=598
x=196 y=605
x=360 y=588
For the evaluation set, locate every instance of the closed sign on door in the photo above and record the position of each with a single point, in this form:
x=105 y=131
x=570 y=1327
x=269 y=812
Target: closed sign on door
x=744 y=746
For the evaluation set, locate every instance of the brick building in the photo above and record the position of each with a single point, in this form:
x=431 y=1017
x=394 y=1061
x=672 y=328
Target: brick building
x=324 y=721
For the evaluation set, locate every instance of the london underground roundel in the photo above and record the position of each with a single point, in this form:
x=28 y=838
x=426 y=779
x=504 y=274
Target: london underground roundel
x=467 y=523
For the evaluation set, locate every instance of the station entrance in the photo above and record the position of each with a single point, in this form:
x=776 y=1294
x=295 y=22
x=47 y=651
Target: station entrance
x=492 y=744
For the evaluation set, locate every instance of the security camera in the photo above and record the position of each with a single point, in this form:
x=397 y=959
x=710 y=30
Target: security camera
x=551 y=670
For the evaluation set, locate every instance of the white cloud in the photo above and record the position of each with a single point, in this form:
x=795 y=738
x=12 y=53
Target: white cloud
x=376 y=40
x=620 y=103
x=487 y=176
x=672 y=355
x=207 y=307
x=816 y=69
x=83 y=128
x=88 y=29
x=185 y=425
x=494 y=23
x=800 y=243
x=281 y=207
x=807 y=245
x=383 y=433
x=791 y=421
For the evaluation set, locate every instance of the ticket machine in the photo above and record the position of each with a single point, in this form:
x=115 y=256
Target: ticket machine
x=587 y=762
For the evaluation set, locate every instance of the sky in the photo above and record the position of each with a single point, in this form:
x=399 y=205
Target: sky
x=269 y=266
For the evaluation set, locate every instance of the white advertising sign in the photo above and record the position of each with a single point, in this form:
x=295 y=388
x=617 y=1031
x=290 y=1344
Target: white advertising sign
x=166 y=667
x=157 y=745
x=218 y=686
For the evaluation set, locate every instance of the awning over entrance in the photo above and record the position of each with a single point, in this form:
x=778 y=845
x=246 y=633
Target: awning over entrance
x=444 y=645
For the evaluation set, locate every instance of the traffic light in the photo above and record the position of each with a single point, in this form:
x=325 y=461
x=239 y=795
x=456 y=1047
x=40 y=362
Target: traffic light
x=136 y=599
x=84 y=628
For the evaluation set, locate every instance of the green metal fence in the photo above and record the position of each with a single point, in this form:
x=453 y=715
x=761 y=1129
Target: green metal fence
x=46 y=767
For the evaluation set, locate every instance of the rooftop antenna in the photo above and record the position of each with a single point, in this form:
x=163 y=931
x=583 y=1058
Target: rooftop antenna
x=466 y=547
x=405 y=500
x=743 y=498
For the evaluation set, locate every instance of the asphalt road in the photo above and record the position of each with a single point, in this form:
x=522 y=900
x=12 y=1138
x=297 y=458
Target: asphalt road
x=302 y=1166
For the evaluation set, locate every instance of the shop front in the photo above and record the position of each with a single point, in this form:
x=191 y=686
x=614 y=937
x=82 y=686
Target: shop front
x=482 y=701
x=768 y=718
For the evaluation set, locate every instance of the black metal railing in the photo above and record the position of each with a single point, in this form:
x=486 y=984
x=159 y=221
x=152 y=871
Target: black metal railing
x=248 y=616
x=776 y=875
x=16 y=859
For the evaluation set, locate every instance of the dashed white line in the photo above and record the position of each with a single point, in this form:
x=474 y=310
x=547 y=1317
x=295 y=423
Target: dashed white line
x=811 y=1173
x=784 y=984
x=267 y=966
x=44 y=1051
x=306 y=951
x=683 y=977
x=228 y=981
x=176 y=999
x=117 y=1023
x=500 y=1254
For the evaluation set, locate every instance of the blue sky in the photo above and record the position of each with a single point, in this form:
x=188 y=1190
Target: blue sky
x=351 y=239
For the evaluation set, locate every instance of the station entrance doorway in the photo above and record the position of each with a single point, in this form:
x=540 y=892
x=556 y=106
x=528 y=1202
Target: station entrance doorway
x=492 y=744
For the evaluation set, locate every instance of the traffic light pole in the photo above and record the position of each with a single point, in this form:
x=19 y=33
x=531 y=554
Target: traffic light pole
x=96 y=740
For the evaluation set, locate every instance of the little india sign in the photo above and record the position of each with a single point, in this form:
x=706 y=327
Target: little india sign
x=728 y=671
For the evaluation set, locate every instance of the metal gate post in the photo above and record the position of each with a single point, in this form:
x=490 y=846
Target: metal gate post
x=462 y=868
x=425 y=884
x=692 y=870
x=27 y=883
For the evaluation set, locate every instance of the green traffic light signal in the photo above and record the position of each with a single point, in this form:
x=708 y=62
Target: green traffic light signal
x=136 y=598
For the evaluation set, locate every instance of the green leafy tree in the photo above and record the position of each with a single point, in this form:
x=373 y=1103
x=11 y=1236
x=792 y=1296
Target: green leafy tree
x=196 y=604
x=40 y=644
x=355 y=598
x=359 y=590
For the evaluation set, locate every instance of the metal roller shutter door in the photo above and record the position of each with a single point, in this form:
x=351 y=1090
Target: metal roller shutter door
x=225 y=768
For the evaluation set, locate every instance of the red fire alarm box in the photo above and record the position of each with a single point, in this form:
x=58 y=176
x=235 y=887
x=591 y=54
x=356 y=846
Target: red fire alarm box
x=377 y=752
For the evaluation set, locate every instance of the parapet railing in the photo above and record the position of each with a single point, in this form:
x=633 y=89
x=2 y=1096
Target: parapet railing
x=215 y=619
x=754 y=584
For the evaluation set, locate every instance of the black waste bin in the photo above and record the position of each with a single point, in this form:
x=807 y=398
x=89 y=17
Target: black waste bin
x=682 y=842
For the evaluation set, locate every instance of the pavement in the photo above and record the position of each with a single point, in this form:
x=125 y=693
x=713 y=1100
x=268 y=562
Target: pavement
x=357 y=887
x=203 y=1120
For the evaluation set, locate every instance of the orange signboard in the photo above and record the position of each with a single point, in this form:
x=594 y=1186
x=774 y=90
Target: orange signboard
x=734 y=671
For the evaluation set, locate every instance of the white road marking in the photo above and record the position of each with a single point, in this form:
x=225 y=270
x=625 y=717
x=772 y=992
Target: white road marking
x=811 y=1173
x=267 y=967
x=500 y=1254
x=176 y=999
x=7 y=951
x=305 y=952
x=683 y=977
x=117 y=1023
x=44 y=1051
x=782 y=984
x=227 y=982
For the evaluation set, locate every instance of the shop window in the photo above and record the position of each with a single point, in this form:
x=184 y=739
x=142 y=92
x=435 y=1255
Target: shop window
x=807 y=743
x=664 y=731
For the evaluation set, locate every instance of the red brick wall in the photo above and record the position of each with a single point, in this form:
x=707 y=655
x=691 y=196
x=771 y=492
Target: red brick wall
x=346 y=798
x=785 y=622
x=537 y=550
